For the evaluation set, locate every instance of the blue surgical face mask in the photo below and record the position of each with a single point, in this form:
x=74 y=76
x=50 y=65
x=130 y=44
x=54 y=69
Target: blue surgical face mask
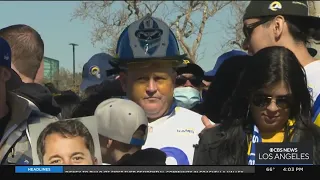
x=186 y=97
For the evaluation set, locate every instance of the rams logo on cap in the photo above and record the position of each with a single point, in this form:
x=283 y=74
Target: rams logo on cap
x=95 y=71
x=275 y=6
x=186 y=61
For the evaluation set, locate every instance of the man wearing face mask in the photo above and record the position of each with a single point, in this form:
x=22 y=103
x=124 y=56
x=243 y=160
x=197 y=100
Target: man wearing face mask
x=187 y=92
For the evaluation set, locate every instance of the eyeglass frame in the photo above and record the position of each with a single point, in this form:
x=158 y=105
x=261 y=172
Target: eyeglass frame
x=194 y=80
x=248 y=29
x=288 y=98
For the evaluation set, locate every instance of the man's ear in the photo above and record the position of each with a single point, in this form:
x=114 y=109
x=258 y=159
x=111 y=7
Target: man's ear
x=173 y=76
x=39 y=76
x=278 y=27
x=123 y=81
x=5 y=74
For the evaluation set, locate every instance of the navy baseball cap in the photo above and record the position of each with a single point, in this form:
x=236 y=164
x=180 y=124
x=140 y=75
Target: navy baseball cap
x=190 y=67
x=221 y=59
x=297 y=9
x=5 y=61
x=95 y=71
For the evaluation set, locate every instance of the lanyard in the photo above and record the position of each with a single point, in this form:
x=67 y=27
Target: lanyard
x=256 y=138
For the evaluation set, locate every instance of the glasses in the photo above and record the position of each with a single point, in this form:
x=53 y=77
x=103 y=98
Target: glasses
x=248 y=29
x=282 y=102
x=181 y=80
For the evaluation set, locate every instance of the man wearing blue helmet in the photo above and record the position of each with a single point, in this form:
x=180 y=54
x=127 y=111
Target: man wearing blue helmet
x=149 y=52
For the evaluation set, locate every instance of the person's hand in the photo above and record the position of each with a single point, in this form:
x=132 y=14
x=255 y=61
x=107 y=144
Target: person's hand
x=207 y=123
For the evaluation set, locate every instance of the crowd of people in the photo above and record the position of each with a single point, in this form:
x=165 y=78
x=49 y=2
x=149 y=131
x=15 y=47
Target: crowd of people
x=154 y=106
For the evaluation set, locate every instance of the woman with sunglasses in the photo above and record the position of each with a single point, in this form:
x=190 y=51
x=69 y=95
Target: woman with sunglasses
x=271 y=101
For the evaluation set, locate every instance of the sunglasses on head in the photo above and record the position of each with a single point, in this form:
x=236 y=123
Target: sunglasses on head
x=261 y=100
x=248 y=29
x=181 y=80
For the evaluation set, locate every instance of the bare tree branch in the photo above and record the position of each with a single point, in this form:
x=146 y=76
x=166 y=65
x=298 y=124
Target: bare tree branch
x=154 y=8
x=184 y=45
x=187 y=18
x=234 y=27
x=111 y=17
x=205 y=13
x=176 y=22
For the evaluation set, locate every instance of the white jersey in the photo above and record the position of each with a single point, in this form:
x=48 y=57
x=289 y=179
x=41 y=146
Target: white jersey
x=176 y=135
x=313 y=74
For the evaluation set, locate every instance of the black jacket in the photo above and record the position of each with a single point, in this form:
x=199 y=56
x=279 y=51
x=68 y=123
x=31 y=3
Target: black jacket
x=205 y=152
x=148 y=156
x=40 y=96
x=198 y=108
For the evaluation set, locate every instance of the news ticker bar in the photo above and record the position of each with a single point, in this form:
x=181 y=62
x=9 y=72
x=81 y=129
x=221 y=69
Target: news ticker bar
x=166 y=169
x=134 y=169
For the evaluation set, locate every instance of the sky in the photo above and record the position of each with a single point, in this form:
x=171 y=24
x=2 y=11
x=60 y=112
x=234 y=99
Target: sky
x=52 y=19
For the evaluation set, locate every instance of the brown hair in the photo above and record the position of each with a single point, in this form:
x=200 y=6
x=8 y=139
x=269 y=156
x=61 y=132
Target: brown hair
x=27 y=48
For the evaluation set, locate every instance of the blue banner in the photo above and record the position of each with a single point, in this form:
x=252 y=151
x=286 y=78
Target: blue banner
x=39 y=169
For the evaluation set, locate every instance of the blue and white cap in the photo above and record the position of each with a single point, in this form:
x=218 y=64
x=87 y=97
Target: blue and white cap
x=147 y=39
x=221 y=59
x=94 y=72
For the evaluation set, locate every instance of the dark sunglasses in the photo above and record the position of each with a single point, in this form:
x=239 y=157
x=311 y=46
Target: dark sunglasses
x=248 y=29
x=181 y=80
x=282 y=102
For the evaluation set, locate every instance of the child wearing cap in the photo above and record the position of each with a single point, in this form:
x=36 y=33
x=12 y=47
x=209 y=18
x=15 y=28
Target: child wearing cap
x=123 y=128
